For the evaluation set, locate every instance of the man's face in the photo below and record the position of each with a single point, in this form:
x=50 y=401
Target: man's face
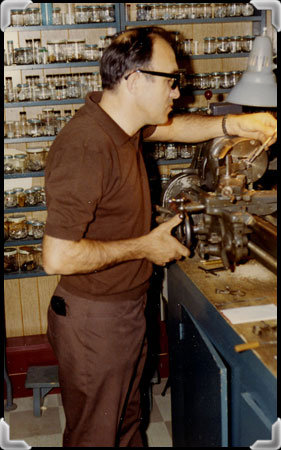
x=156 y=96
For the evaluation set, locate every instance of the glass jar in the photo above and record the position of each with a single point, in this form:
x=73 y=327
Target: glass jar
x=20 y=162
x=34 y=128
x=215 y=80
x=17 y=227
x=61 y=92
x=91 y=52
x=171 y=151
x=20 y=196
x=203 y=81
x=81 y=13
x=205 y=10
x=186 y=151
x=37 y=252
x=94 y=13
x=17 y=129
x=247 y=9
x=10 y=198
x=17 y=19
x=30 y=197
x=60 y=123
x=23 y=55
x=247 y=43
x=6 y=228
x=209 y=45
x=75 y=50
x=48 y=121
x=56 y=16
x=225 y=80
x=233 y=9
x=10 y=130
x=43 y=197
x=23 y=123
x=223 y=45
x=32 y=16
x=35 y=159
x=108 y=13
x=154 y=11
x=186 y=47
x=43 y=92
x=73 y=89
x=29 y=224
x=26 y=259
x=235 y=77
x=192 y=11
x=10 y=260
x=9 y=166
x=41 y=56
x=141 y=12
x=23 y=92
x=235 y=44
x=56 y=51
x=38 y=229
x=220 y=9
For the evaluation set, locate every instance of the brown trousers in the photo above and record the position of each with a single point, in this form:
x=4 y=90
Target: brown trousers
x=101 y=349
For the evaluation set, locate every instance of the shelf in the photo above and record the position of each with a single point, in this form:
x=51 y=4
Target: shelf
x=220 y=55
x=18 y=210
x=67 y=65
x=68 y=101
x=38 y=174
x=29 y=139
x=65 y=27
x=165 y=162
x=18 y=275
x=135 y=23
x=22 y=242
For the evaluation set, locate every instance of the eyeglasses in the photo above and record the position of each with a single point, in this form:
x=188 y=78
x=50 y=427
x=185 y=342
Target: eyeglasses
x=174 y=76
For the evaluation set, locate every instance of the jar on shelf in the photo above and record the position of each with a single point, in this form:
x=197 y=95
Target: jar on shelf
x=34 y=128
x=20 y=162
x=43 y=92
x=223 y=44
x=94 y=13
x=61 y=92
x=247 y=43
x=81 y=14
x=108 y=12
x=154 y=11
x=32 y=16
x=30 y=197
x=23 y=55
x=209 y=45
x=220 y=10
x=75 y=50
x=235 y=44
x=17 y=18
x=26 y=259
x=11 y=260
x=35 y=159
x=202 y=81
x=204 y=10
x=73 y=89
x=38 y=229
x=41 y=56
x=48 y=121
x=192 y=11
x=235 y=76
x=56 y=51
x=186 y=47
x=20 y=196
x=17 y=226
x=247 y=9
x=17 y=129
x=91 y=52
x=215 y=80
x=225 y=80
x=60 y=123
x=57 y=16
x=23 y=92
x=233 y=9
x=171 y=151
x=10 y=198
x=186 y=151
x=9 y=166
x=37 y=251
x=29 y=223
x=10 y=129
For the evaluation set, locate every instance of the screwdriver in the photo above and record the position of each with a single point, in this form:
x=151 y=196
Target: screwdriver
x=260 y=149
x=251 y=345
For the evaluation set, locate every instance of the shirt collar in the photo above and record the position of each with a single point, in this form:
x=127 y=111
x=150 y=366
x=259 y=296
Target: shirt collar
x=105 y=121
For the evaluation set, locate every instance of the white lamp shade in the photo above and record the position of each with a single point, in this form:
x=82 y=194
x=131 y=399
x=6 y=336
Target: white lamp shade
x=257 y=86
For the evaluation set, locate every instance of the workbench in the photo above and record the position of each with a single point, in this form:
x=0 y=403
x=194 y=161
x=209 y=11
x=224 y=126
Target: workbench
x=220 y=397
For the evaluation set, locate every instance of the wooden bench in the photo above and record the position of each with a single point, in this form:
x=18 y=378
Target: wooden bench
x=42 y=379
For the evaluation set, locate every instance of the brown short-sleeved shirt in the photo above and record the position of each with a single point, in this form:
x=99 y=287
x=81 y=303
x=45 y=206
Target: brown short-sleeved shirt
x=97 y=188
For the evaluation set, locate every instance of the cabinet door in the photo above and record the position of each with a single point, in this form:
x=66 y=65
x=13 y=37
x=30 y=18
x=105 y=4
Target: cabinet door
x=198 y=388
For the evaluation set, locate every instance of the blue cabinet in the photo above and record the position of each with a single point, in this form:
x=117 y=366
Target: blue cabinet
x=219 y=398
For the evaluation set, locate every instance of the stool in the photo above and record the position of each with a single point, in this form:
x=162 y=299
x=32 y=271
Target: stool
x=42 y=379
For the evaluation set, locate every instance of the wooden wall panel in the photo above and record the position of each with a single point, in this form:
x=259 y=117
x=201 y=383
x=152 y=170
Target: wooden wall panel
x=30 y=306
x=46 y=287
x=13 y=310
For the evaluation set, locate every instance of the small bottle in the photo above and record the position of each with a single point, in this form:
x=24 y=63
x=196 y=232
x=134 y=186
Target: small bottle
x=10 y=53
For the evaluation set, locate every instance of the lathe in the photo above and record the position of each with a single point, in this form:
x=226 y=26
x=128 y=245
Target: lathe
x=224 y=217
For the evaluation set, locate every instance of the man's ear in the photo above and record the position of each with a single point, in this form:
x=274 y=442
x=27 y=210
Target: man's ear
x=133 y=82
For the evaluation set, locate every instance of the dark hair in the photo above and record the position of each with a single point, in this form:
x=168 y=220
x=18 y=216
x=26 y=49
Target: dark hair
x=129 y=50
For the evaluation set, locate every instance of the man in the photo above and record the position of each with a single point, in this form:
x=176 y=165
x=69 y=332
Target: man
x=98 y=234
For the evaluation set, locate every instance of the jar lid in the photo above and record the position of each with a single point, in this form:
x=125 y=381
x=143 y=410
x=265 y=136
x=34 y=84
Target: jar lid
x=81 y=7
x=91 y=46
x=37 y=188
x=8 y=251
x=32 y=8
x=18 y=11
x=21 y=85
x=56 y=9
x=42 y=49
x=20 y=156
x=17 y=218
x=29 y=191
x=33 y=121
x=18 y=189
x=8 y=157
x=9 y=192
x=38 y=223
x=23 y=251
x=209 y=39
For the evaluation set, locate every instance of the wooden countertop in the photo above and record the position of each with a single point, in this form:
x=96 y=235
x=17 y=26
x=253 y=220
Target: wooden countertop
x=260 y=287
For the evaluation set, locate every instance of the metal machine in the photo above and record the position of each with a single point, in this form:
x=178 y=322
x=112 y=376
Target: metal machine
x=220 y=207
